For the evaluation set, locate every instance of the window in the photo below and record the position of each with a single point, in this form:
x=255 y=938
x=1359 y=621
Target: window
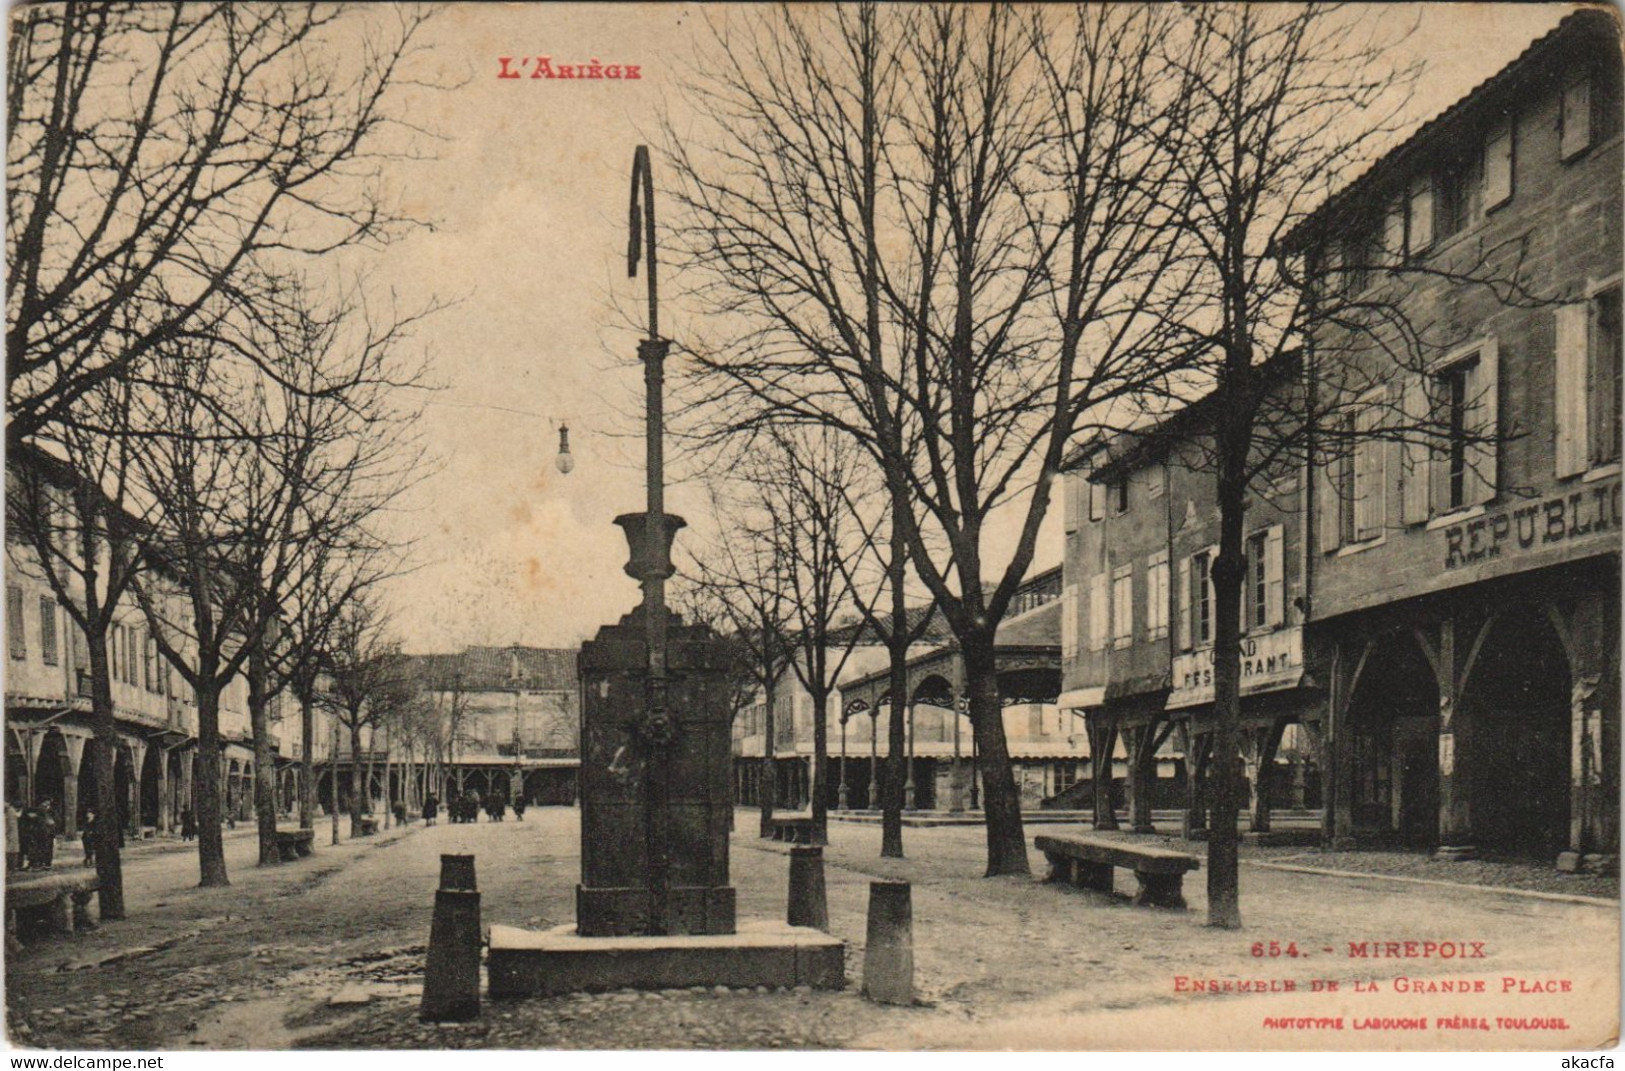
x=1450 y=206
x=1074 y=491
x=1066 y=775
x=1097 y=501
x=14 y=622
x=47 y=630
x=1123 y=606
x=1465 y=407
x=1156 y=480
x=1263 y=602
x=1498 y=166
x=1201 y=598
x=1156 y=595
x=1603 y=376
x=1588 y=383
x=1356 y=264
x=1575 y=120
x=1393 y=234
x=1097 y=612
x=1119 y=495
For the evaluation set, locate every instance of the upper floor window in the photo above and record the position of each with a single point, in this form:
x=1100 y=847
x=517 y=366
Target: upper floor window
x=1574 y=120
x=1465 y=406
x=1097 y=501
x=1196 y=600
x=1356 y=259
x=1098 y=619
x=1119 y=495
x=1498 y=156
x=1263 y=602
x=1588 y=383
x=16 y=639
x=1156 y=480
x=1450 y=201
x=47 y=630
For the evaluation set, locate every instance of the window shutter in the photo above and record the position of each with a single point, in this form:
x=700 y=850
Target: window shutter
x=1069 y=621
x=1369 y=492
x=1498 y=165
x=1576 y=117
x=1393 y=234
x=1483 y=388
x=1421 y=215
x=1414 y=452
x=1330 y=499
x=1184 y=604
x=1097 y=612
x=1571 y=389
x=1275 y=576
x=1097 y=500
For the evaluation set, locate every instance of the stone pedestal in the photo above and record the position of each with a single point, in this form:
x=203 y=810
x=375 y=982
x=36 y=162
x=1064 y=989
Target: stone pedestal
x=614 y=895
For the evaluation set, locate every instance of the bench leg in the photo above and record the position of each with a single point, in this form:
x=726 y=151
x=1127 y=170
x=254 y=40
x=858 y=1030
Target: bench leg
x=1060 y=867
x=1160 y=890
x=1096 y=876
x=59 y=915
x=303 y=848
x=81 y=911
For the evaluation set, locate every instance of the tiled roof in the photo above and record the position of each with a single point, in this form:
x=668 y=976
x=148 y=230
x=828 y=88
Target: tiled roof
x=1445 y=127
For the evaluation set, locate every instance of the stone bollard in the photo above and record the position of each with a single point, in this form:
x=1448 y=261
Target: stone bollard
x=451 y=978
x=808 y=905
x=888 y=956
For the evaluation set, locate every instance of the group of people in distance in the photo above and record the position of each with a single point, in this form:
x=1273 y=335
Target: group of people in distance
x=467 y=807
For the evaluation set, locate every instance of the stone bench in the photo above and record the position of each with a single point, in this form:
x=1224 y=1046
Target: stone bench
x=791 y=830
x=64 y=899
x=294 y=844
x=1088 y=862
x=369 y=826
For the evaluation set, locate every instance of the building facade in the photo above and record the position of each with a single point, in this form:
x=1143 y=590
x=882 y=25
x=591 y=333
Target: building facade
x=1431 y=614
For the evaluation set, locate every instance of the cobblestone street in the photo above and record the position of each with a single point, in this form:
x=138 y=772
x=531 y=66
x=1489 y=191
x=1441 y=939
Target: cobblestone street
x=328 y=952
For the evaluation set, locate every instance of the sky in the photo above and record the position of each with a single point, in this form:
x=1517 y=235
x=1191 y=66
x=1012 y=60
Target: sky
x=527 y=189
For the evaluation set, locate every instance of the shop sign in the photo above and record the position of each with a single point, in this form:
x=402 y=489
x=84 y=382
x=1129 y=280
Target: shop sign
x=1269 y=662
x=1583 y=512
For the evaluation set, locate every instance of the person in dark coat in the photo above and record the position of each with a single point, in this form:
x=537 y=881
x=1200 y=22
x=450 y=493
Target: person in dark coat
x=519 y=808
x=431 y=809
x=188 y=824
x=44 y=849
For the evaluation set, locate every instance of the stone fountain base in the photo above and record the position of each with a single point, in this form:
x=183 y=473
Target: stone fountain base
x=545 y=963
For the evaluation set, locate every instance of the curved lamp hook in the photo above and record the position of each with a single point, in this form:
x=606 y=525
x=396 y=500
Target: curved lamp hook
x=643 y=231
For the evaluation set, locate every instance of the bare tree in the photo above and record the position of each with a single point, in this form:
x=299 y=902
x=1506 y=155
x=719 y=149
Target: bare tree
x=744 y=577
x=942 y=232
x=366 y=678
x=165 y=159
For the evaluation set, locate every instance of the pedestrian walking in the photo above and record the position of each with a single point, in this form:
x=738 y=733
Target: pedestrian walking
x=431 y=809
x=519 y=808
x=188 y=824
x=43 y=852
x=88 y=837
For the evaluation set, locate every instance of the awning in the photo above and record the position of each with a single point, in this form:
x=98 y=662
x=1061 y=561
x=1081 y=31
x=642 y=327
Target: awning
x=1081 y=697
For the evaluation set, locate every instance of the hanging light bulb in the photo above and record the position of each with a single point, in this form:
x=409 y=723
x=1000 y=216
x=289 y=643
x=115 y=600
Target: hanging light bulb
x=565 y=462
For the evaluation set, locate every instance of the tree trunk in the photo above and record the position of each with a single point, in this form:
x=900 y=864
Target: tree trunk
x=1001 y=803
x=1229 y=571
x=333 y=779
x=820 y=797
x=356 y=789
x=211 y=846
x=767 y=791
x=264 y=765
x=891 y=786
x=109 y=864
x=372 y=746
x=307 y=766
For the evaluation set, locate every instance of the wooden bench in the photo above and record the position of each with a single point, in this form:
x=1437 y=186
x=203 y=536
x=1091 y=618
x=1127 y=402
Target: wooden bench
x=791 y=830
x=369 y=826
x=1088 y=862
x=64 y=898
x=294 y=844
